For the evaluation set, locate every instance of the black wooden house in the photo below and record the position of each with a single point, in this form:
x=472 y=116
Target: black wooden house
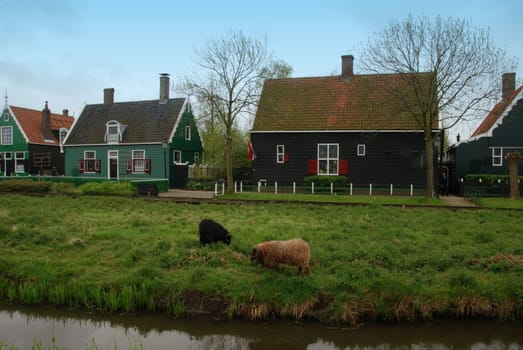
x=348 y=125
x=499 y=133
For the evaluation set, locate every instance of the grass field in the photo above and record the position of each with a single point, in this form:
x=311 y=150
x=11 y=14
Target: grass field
x=114 y=254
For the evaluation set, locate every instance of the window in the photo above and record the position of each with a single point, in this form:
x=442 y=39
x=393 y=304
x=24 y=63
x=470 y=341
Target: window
x=19 y=162
x=7 y=135
x=177 y=157
x=6 y=115
x=90 y=161
x=361 y=150
x=139 y=161
x=188 y=133
x=280 y=154
x=196 y=156
x=497 y=156
x=63 y=134
x=113 y=134
x=328 y=159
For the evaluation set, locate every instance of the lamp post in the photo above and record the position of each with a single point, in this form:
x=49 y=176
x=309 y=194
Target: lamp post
x=164 y=147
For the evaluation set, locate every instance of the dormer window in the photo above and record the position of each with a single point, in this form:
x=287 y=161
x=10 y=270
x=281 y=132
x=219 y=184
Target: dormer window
x=114 y=131
x=63 y=134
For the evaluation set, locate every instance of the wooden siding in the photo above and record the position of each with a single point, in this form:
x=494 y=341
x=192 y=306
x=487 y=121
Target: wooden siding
x=153 y=152
x=187 y=147
x=391 y=157
x=56 y=166
x=475 y=156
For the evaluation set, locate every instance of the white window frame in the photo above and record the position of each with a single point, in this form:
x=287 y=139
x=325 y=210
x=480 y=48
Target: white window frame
x=19 y=167
x=497 y=159
x=188 y=133
x=89 y=162
x=361 y=150
x=63 y=134
x=331 y=161
x=280 y=153
x=113 y=132
x=138 y=156
x=177 y=156
x=6 y=115
x=6 y=135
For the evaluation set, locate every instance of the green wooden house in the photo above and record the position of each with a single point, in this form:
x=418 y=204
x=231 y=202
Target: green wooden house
x=139 y=140
x=30 y=141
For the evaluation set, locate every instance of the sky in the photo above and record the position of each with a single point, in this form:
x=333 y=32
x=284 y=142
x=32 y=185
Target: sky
x=67 y=51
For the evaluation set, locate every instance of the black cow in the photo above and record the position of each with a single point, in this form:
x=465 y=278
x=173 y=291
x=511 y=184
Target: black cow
x=212 y=232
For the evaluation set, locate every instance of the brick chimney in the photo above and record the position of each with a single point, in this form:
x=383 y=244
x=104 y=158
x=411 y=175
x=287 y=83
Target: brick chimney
x=347 y=65
x=45 y=125
x=164 y=87
x=65 y=112
x=108 y=96
x=508 y=84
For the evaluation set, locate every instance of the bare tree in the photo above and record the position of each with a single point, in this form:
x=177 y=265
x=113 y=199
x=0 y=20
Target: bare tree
x=462 y=65
x=235 y=66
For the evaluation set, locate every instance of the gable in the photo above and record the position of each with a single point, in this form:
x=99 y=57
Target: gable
x=145 y=121
x=330 y=103
x=495 y=116
x=30 y=121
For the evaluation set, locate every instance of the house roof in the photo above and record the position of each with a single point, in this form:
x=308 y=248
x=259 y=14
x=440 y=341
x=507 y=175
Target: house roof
x=30 y=121
x=330 y=103
x=145 y=121
x=496 y=113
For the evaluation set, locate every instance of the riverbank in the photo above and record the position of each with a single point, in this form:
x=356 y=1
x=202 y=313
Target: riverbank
x=377 y=263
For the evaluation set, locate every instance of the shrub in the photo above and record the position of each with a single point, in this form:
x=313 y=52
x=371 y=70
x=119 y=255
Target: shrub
x=108 y=188
x=25 y=186
x=322 y=180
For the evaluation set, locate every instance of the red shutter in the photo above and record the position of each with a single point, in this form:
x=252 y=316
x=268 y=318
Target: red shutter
x=285 y=157
x=147 y=166
x=81 y=165
x=129 y=166
x=344 y=167
x=313 y=166
x=97 y=165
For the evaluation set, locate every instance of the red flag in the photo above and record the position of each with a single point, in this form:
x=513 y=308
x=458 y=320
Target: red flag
x=251 y=155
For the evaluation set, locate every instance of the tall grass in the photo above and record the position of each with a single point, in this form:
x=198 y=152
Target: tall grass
x=113 y=254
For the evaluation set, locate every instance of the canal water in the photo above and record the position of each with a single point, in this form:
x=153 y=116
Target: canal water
x=78 y=329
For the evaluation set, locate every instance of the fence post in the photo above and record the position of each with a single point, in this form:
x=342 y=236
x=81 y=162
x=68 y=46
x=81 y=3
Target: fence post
x=275 y=187
x=259 y=186
x=294 y=187
x=235 y=187
x=312 y=185
x=391 y=189
x=350 y=189
x=370 y=189
x=216 y=188
x=332 y=188
x=241 y=186
x=223 y=188
x=411 y=190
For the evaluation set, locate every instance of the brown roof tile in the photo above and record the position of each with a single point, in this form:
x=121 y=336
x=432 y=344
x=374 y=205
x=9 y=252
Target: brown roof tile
x=30 y=121
x=328 y=103
x=495 y=113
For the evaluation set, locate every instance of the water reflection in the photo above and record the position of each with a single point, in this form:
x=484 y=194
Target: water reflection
x=74 y=329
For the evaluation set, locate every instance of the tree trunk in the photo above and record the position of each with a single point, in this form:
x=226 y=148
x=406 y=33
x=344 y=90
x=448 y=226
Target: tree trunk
x=429 y=165
x=513 y=163
x=228 y=163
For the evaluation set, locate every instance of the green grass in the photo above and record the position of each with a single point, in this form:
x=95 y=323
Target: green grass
x=498 y=202
x=114 y=254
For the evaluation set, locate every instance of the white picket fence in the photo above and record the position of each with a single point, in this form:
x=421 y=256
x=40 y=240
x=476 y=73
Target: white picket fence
x=263 y=186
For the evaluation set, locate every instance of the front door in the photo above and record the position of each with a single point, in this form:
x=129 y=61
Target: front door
x=113 y=164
